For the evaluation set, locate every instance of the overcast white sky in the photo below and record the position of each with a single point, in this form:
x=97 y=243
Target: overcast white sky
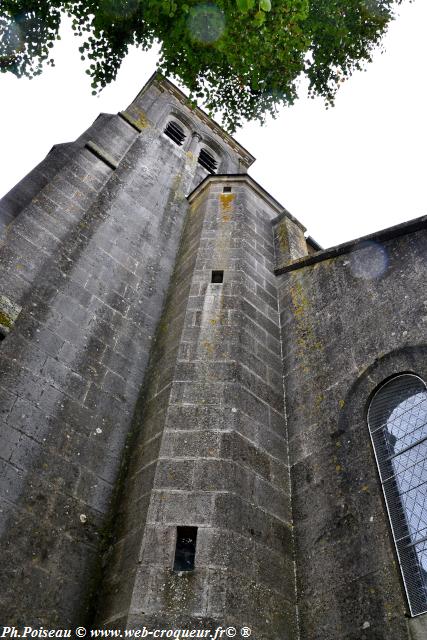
x=343 y=172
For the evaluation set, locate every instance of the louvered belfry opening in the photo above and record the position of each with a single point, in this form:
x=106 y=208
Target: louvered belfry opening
x=208 y=161
x=175 y=132
x=398 y=425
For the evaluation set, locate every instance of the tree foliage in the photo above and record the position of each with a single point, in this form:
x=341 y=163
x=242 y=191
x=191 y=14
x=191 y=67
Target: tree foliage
x=241 y=58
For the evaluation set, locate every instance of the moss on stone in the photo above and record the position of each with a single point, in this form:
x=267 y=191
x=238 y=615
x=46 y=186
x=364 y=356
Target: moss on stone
x=282 y=236
x=5 y=320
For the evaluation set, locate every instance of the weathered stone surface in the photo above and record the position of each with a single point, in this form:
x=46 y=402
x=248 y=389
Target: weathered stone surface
x=89 y=245
x=137 y=396
x=347 y=326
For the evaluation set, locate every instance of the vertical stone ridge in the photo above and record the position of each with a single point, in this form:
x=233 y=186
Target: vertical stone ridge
x=289 y=239
x=219 y=462
x=279 y=251
x=89 y=260
x=130 y=512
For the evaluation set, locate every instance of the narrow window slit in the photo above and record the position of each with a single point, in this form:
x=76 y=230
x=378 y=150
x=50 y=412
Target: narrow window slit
x=175 y=132
x=217 y=277
x=185 y=550
x=226 y=190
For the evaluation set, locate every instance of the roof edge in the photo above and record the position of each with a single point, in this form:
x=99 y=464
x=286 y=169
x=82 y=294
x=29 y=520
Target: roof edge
x=411 y=226
x=279 y=209
x=163 y=82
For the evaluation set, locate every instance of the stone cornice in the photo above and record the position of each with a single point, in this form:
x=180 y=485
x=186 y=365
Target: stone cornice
x=354 y=245
x=277 y=208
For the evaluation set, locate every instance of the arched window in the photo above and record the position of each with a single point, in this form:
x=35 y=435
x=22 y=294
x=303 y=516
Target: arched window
x=207 y=161
x=397 y=420
x=175 y=132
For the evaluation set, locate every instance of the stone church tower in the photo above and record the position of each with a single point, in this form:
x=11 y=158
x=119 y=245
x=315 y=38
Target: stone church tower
x=206 y=419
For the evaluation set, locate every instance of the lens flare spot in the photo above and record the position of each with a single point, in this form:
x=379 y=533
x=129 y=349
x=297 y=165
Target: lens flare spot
x=206 y=23
x=12 y=41
x=370 y=261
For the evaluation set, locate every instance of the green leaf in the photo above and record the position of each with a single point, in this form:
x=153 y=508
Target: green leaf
x=246 y=66
x=244 y=5
x=259 y=18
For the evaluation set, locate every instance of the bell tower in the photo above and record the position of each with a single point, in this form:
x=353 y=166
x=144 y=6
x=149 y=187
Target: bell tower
x=144 y=475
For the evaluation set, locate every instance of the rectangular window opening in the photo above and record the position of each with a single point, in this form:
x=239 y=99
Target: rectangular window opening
x=217 y=277
x=185 y=551
x=226 y=190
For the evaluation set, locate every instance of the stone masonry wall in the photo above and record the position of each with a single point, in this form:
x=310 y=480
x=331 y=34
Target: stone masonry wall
x=89 y=260
x=212 y=444
x=348 y=323
x=122 y=557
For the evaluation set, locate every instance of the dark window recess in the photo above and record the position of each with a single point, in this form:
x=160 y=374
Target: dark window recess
x=226 y=190
x=185 y=551
x=175 y=132
x=207 y=161
x=2 y=335
x=217 y=277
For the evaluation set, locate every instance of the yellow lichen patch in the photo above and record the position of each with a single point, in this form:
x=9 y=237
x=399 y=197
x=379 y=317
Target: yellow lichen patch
x=208 y=346
x=341 y=403
x=282 y=236
x=306 y=339
x=5 y=320
x=226 y=218
x=194 y=206
x=364 y=487
x=299 y=301
x=226 y=202
x=141 y=119
x=338 y=468
x=319 y=399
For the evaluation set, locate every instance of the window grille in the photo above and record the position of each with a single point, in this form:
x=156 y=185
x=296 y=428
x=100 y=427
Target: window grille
x=175 y=132
x=397 y=420
x=207 y=161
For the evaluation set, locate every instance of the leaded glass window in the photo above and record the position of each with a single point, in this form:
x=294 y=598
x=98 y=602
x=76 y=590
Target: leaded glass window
x=397 y=420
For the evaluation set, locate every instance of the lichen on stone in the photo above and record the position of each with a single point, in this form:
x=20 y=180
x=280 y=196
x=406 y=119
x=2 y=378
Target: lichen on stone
x=9 y=311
